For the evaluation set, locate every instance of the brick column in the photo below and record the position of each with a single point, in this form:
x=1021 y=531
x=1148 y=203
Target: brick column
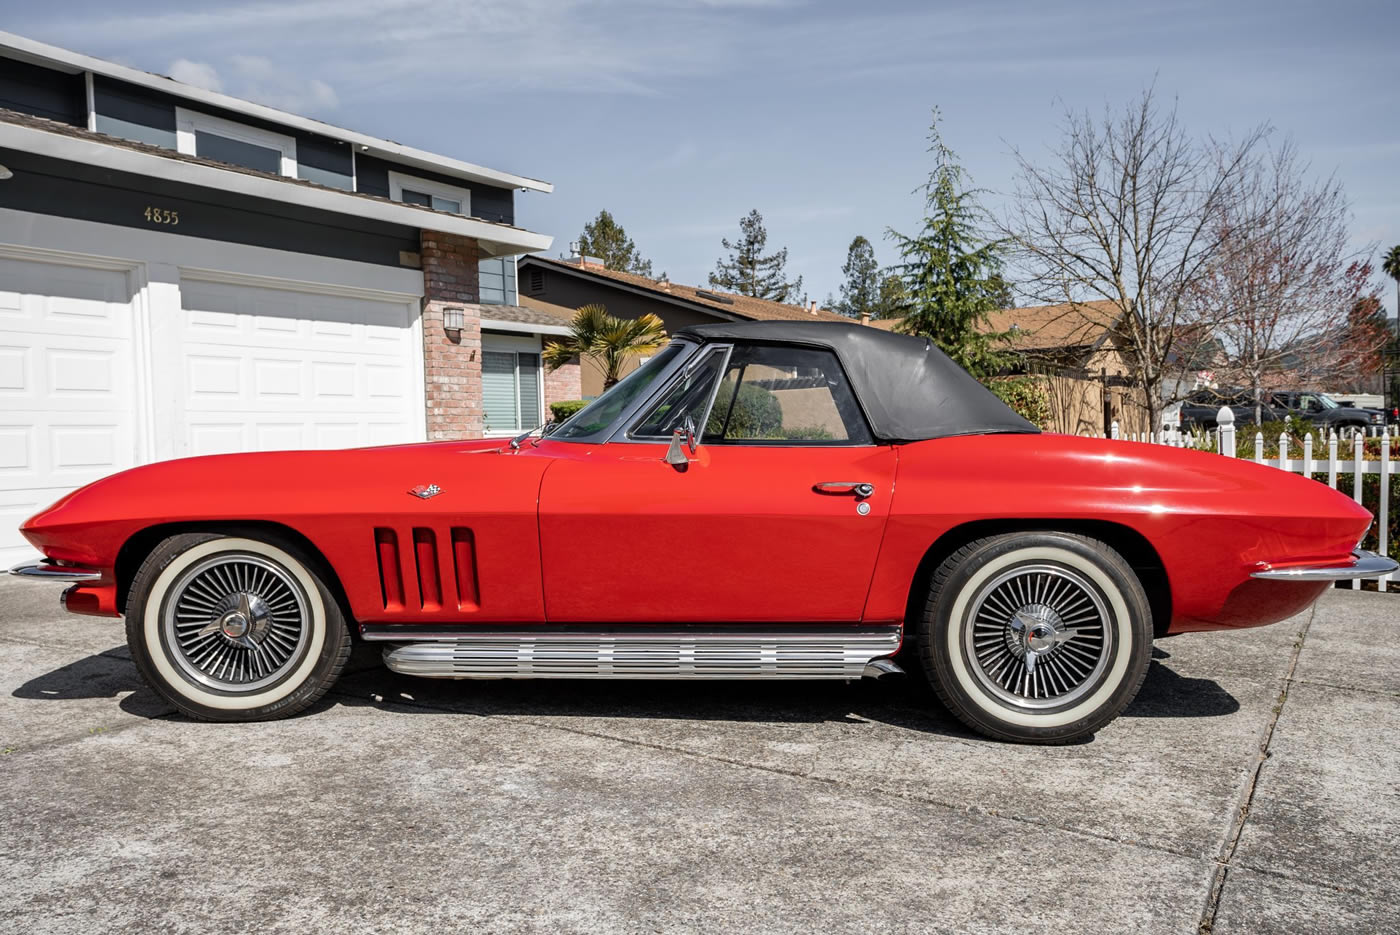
x=451 y=362
x=564 y=383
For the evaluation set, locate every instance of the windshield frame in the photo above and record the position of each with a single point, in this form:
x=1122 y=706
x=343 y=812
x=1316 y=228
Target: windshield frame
x=657 y=376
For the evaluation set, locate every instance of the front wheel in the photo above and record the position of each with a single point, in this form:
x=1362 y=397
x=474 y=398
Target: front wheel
x=1038 y=637
x=228 y=628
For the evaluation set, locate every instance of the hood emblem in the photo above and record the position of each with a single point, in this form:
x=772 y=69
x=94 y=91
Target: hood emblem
x=426 y=491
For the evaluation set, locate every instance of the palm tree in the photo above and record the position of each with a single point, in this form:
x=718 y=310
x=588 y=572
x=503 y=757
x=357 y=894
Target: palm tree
x=1391 y=267
x=608 y=340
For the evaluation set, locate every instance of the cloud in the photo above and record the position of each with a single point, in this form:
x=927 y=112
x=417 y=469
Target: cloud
x=258 y=79
x=262 y=81
x=196 y=73
x=366 y=49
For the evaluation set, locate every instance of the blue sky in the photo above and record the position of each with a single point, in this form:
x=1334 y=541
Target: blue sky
x=681 y=115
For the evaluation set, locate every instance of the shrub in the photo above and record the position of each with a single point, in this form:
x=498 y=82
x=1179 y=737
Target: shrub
x=809 y=433
x=1027 y=396
x=565 y=408
x=756 y=414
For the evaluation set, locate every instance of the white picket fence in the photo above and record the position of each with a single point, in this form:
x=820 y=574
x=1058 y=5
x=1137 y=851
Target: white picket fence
x=1307 y=463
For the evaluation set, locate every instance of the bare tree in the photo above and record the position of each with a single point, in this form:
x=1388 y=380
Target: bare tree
x=1127 y=211
x=1283 y=284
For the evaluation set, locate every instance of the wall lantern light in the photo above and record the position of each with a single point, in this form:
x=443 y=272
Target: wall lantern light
x=453 y=319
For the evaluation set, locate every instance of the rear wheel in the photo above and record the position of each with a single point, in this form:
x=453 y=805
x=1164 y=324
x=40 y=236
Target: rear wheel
x=1039 y=637
x=228 y=628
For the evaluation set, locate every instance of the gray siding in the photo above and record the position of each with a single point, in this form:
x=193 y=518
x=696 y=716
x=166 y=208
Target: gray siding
x=50 y=186
x=137 y=113
x=133 y=113
x=488 y=202
x=325 y=161
x=43 y=92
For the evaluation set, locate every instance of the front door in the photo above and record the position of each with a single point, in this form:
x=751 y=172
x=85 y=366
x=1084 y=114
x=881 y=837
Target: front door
x=768 y=523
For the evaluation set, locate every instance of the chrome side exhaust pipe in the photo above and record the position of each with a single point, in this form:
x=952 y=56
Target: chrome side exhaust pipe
x=878 y=668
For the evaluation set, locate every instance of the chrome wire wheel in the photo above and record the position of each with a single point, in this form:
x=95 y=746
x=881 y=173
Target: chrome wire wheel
x=236 y=622
x=1038 y=636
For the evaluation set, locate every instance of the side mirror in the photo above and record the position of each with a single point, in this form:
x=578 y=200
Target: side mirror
x=681 y=439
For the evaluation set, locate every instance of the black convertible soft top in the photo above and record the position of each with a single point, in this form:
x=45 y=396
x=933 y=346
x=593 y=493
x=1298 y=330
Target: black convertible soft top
x=908 y=388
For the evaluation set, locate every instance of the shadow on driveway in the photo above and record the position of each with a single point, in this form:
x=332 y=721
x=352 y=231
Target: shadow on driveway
x=905 y=702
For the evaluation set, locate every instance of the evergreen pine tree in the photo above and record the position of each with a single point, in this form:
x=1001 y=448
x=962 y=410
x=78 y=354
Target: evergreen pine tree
x=749 y=272
x=605 y=239
x=951 y=272
x=860 y=293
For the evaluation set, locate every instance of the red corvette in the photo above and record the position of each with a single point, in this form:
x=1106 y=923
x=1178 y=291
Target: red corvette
x=766 y=500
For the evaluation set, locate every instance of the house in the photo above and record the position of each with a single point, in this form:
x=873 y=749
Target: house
x=185 y=273
x=1076 y=350
x=559 y=287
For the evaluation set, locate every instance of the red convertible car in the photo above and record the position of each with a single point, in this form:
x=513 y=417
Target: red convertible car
x=764 y=500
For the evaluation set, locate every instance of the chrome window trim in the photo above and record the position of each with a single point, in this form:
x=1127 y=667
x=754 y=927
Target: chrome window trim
x=688 y=366
x=625 y=417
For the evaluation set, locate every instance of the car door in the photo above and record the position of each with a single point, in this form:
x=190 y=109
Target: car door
x=775 y=517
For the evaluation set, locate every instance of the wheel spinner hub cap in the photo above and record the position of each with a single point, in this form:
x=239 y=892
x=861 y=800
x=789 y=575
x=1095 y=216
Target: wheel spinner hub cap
x=245 y=618
x=1038 y=628
x=1038 y=636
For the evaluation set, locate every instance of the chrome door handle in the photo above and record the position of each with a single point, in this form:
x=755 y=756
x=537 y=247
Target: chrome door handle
x=858 y=488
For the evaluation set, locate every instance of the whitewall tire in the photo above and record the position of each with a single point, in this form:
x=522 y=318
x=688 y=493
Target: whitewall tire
x=234 y=628
x=1036 y=637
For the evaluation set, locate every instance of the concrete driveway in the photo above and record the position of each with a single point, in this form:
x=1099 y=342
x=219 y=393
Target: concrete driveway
x=1253 y=786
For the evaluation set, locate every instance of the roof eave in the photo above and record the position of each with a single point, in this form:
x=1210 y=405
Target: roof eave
x=42 y=54
x=496 y=239
x=677 y=300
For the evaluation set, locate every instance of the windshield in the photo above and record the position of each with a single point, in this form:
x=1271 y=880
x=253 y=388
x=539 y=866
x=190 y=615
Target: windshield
x=1328 y=402
x=604 y=410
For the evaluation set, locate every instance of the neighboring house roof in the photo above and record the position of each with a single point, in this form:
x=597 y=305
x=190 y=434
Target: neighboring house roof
x=729 y=305
x=57 y=140
x=72 y=62
x=1047 y=327
x=530 y=315
x=1044 y=327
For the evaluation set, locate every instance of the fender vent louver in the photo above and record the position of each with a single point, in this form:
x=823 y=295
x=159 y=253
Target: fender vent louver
x=425 y=553
x=464 y=566
x=386 y=546
x=433 y=574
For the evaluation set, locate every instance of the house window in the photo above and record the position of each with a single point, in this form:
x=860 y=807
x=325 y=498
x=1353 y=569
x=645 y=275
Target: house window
x=511 y=383
x=435 y=195
x=222 y=140
x=496 y=281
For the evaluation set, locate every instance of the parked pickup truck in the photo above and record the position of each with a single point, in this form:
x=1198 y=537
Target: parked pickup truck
x=1199 y=410
x=1323 y=411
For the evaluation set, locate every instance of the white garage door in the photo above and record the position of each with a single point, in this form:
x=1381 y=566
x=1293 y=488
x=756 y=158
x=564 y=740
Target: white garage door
x=66 y=385
x=264 y=368
x=93 y=381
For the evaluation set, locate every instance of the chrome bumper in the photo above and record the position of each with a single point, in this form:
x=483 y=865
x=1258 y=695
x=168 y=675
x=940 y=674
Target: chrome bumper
x=1367 y=565
x=53 y=571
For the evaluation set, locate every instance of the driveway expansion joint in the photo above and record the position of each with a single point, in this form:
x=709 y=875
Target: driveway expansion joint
x=1225 y=858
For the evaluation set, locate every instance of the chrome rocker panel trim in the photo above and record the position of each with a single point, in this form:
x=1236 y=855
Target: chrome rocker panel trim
x=52 y=571
x=1368 y=565
x=646 y=654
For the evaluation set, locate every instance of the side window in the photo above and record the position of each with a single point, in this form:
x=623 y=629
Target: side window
x=773 y=395
x=689 y=397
